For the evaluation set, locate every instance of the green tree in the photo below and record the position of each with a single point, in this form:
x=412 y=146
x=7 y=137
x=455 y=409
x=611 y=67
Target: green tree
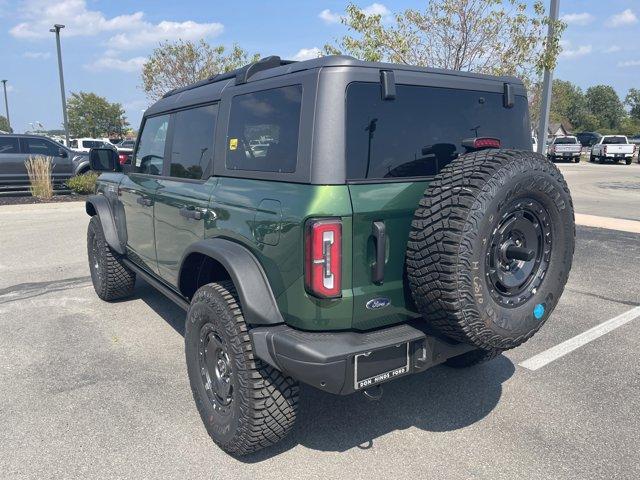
x=93 y=116
x=568 y=103
x=176 y=64
x=4 y=124
x=632 y=100
x=603 y=102
x=485 y=36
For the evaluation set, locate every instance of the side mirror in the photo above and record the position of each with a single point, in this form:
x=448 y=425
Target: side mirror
x=104 y=160
x=62 y=153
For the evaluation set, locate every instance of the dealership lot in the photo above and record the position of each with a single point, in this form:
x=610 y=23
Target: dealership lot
x=96 y=390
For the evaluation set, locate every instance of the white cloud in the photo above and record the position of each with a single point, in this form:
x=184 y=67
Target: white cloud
x=612 y=49
x=132 y=30
x=621 y=19
x=578 y=18
x=570 y=52
x=307 y=54
x=151 y=34
x=111 y=63
x=377 y=9
x=329 y=17
x=37 y=55
x=630 y=63
x=40 y=15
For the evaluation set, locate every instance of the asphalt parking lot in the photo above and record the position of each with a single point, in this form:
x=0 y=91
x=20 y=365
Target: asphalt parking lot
x=96 y=390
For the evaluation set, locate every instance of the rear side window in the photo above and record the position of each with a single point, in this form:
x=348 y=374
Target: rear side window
x=9 y=145
x=37 y=146
x=150 y=154
x=422 y=130
x=192 y=147
x=263 y=130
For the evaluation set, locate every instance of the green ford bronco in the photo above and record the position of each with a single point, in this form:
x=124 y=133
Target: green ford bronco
x=334 y=222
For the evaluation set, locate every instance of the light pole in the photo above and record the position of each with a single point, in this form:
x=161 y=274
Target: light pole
x=56 y=29
x=6 y=104
x=548 y=78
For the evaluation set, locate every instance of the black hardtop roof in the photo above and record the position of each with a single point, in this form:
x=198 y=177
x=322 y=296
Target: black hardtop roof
x=211 y=89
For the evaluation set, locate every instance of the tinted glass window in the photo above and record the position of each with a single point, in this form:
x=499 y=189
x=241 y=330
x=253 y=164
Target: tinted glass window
x=150 y=154
x=263 y=130
x=565 y=141
x=39 y=146
x=9 y=145
x=192 y=148
x=614 y=140
x=422 y=130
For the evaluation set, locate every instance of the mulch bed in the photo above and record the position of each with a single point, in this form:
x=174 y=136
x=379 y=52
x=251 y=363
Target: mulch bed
x=28 y=199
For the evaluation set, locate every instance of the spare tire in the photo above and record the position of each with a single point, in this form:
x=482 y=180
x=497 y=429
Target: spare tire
x=491 y=246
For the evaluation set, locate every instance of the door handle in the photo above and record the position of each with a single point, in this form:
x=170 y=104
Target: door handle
x=145 y=202
x=191 y=213
x=378 y=230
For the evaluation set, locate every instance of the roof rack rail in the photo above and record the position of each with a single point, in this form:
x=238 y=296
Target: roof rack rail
x=242 y=74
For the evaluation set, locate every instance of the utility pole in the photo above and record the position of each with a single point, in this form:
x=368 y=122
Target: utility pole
x=6 y=104
x=548 y=79
x=56 y=29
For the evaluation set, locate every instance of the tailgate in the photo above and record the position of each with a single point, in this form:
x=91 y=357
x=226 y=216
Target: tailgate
x=389 y=206
x=613 y=149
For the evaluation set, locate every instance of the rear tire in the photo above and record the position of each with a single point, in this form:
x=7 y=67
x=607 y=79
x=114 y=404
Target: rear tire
x=111 y=279
x=462 y=279
x=628 y=161
x=245 y=404
x=474 y=357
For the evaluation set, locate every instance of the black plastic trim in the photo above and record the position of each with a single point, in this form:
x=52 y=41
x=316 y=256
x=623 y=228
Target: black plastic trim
x=325 y=360
x=258 y=303
x=157 y=284
x=102 y=208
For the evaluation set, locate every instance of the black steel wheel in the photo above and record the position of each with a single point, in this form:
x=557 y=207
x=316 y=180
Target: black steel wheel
x=215 y=368
x=519 y=253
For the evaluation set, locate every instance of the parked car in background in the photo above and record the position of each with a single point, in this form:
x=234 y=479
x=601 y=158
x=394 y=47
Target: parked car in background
x=16 y=149
x=564 y=148
x=614 y=148
x=588 y=139
x=534 y=144
x=86 y=144
x=125 y=150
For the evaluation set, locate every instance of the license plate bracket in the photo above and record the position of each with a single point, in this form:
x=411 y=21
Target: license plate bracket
x=378 y=366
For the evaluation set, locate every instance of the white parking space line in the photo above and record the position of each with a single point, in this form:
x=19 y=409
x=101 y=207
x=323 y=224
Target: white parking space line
x=632 y=226
x=540 y=360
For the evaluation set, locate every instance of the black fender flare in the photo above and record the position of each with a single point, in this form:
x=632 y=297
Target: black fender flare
x=99 y=205
x=258 y=303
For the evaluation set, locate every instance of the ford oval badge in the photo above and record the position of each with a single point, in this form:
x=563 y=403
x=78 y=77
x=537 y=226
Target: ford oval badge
x=376 y=303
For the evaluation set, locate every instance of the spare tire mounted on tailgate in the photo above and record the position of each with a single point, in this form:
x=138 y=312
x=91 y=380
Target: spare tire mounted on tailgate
x=491 y=246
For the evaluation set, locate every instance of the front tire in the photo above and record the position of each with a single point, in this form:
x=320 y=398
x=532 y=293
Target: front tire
x=111 y=279
x=245 y=404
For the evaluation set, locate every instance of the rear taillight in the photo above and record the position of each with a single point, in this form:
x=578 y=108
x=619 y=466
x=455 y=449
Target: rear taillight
x=122 y=158
x=323 y=258
x=481 y=142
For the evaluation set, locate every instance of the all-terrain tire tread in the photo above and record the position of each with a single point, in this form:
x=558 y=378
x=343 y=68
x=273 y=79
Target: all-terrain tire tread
x=269 y=399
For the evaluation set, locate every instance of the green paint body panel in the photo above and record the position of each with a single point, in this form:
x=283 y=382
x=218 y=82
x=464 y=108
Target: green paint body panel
x=394 y=204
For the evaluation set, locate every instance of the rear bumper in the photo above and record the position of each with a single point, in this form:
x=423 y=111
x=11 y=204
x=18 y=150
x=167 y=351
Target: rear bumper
x=326 y=360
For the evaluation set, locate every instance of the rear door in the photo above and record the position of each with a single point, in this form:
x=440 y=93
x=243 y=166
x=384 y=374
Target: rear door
x=185 y=188
x=12 y=169
x=137 y=191
x=394 y=148
x=62 y=162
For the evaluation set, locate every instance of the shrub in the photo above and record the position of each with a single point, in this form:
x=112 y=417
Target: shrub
x=83 y=184
x=39 y=170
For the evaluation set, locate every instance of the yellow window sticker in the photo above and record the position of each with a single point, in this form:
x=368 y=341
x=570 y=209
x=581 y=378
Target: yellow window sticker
x=233 y=143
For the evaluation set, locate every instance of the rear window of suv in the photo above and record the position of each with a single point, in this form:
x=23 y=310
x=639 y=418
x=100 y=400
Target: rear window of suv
x=422 y=129
x=263 y=130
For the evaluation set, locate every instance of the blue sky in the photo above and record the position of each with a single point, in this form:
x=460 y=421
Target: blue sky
x=105 y=42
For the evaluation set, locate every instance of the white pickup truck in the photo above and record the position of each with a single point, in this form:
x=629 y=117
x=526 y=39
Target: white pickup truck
x=612 y=147
x=564 y=148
